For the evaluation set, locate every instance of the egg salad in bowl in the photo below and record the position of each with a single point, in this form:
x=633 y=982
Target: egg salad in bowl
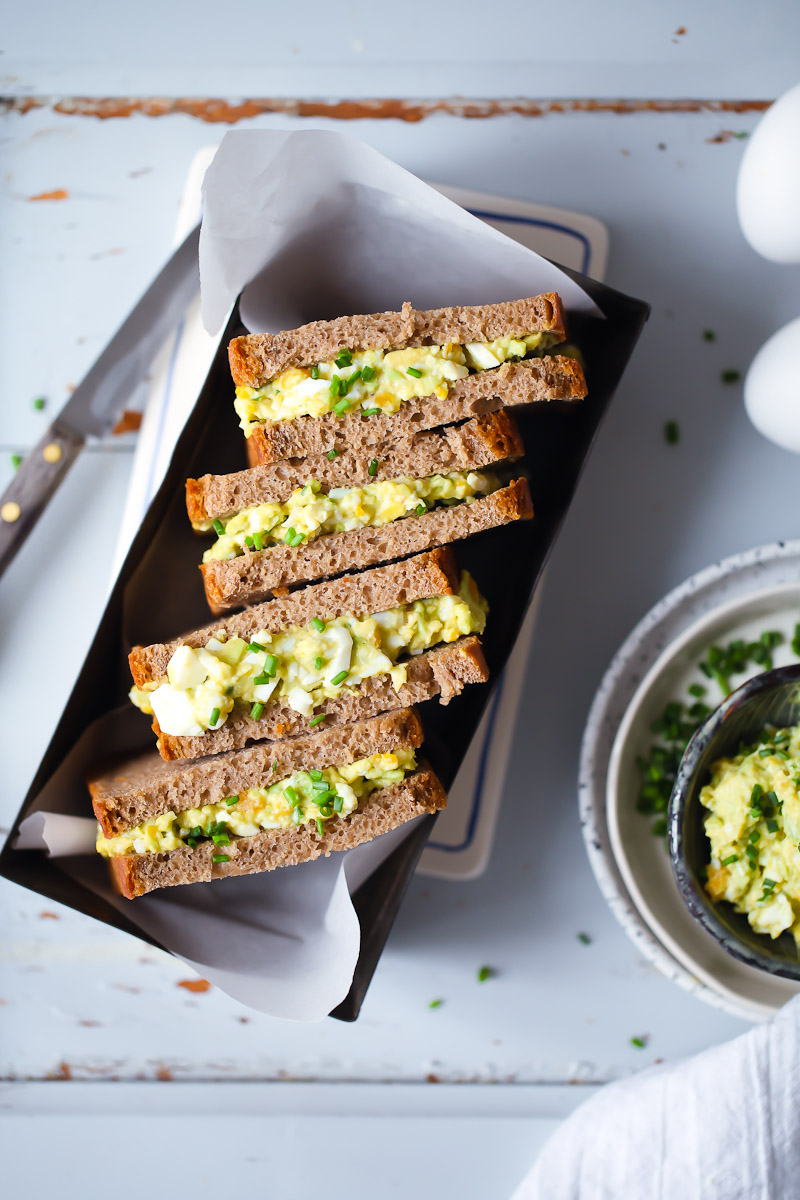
x=303 y=665
x=378 y=381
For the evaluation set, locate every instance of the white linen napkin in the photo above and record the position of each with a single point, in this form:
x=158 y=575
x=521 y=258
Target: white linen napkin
x=724 y=1125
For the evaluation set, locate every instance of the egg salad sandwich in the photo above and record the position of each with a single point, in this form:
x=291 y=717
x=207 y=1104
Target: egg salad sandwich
x=327 y=654
x=357 y=381
x=270 y=805
x=286 y=523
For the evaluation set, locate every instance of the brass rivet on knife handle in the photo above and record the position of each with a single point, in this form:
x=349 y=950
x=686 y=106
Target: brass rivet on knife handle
x=34 y=482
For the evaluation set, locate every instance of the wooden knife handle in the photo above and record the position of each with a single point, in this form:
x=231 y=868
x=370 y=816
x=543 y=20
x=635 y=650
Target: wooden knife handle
x=36 y=479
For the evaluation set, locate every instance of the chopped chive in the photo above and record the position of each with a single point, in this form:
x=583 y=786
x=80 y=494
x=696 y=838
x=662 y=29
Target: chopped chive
x=766 y=751
x=274 y=766
x=756 y=795
x=320 y=827
x=231 y=801
x=755 y=836
x=672 y=432
x=261 y=679
x=772 y=825
x=732 y=858
x=259 y=545
x=485 y=973
x=344 y=358
x=367 y=373
x=339 y=678
x=332 y=454
x=341 y=406
x=639 y=1042
x=317 y=720
x=324 y=807
x=16 y=459
x=221 y=839
x=731 y=375
x=336 y=383
x=297 y=539
x=297 y=815
x=258 y=647
x=39 y=403
x=270 y=664
x=214 y=716
x=354 y=378
x=315 y=372
x=256 y=711
x=370 y=412
x=248 y=541
x=372 y=469
x=315 y=775
x=290 y=535
x=318 y=624
x=709 y=335
x=337 y=803
x=191 y=843
x=220 y=858
x=219 y=528
x=291 y=796
x=318 y=663
x=421 y=508
x=413 y=371
x=584 y=939
x=436 y=1004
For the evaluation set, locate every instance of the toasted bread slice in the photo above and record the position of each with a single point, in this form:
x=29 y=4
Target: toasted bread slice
x=255 y=576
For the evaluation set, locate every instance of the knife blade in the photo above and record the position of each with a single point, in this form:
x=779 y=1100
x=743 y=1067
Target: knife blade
x=97 y=402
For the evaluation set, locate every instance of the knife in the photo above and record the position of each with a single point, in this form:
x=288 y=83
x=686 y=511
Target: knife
x=95 y=405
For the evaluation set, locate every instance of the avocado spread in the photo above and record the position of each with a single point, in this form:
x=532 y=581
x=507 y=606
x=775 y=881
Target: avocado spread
x=753 y=825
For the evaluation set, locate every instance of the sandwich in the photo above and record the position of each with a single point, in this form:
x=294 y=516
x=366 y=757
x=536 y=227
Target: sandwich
x=362 y=380
x=286 y=523
x=324 y=655
x=269 y=805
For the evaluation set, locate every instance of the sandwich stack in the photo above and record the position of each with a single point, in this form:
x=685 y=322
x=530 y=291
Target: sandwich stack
x=285 y=730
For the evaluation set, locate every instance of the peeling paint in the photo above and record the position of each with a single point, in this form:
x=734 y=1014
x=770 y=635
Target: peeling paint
x=215 y=111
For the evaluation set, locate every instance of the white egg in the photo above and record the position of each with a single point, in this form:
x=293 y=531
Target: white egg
x=768 y=190
x=174 y=713
x=185 y=669
x=300 y=701
x=772 y=388
x=340 y=651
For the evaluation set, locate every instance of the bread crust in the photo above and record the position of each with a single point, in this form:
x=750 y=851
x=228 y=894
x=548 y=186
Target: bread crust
x=144 y=787
x=256 y=358
x=492 y=437
x=419 y=578
x=254 y=576
x=512 y=385
x=385 y=809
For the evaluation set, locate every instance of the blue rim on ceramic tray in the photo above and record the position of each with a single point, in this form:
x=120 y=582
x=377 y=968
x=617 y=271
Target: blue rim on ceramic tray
x=772 y=698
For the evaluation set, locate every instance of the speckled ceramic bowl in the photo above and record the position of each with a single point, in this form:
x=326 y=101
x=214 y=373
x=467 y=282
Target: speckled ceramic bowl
x=772 y=698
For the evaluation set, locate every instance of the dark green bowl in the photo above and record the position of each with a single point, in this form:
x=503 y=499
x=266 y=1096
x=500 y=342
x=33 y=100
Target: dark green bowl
x=772 y=698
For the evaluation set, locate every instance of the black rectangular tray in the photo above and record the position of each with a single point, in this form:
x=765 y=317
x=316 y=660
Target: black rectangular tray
x=506 y=563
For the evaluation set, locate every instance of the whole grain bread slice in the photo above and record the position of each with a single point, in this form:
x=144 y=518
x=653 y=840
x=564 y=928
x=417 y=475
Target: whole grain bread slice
x=512 y=385
x=256 y=358
x=443 y=672
x=255 y=575
x=432 y=574
x=491 y=438
x=385 y=809
x=145 y=787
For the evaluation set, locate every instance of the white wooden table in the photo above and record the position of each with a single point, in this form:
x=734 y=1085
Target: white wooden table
x=82 y=1003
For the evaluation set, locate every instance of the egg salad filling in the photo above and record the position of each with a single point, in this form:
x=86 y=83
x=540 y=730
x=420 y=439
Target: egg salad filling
x=753 y=802
x=309 y=512
x=303 y=665
x=377 y=381
x=304 y=798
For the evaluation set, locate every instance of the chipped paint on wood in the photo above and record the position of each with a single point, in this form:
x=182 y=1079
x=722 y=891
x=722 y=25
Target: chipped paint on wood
x=217 y=111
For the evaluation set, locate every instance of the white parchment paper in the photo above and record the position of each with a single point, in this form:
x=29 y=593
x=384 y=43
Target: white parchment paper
x=305 y=225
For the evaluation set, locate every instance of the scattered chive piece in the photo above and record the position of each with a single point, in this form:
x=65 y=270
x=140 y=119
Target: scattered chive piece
x=221 y=839
x=317 y=720
x=316 y=775
x=220 y=858
x=214 y=716
x=370 y=412
x=39 y=403
x=248 y=541
x=258 y=647
x=297 y=815
x=732 y=858
x=772 y=825
x=261 y=679
x=16 y=459
x=320 y=827
x=584 y=939
x=318 y=624
x=344 y=358
x=731 y=375
x=219 y=528
x=766 y=751
x=290 y=535
x=270 y=664
x=672 y=432
x=367 y=373
x=291 y=796
x=755 y=836
x=256 y=711
x=421 y=508
x=756 y=795
x=297 y=539
x=318 y=663
x=485 y=973
x=769 y=884
x=335 y=385
x=337 y=803
x=315 y=372
x=639 y=1042
x=354 y=378
x=341 y=406
x=257 y=542
x=436 y=1004
x=332 y=454
x=413 y=371
x=274 y=766
x=340 y=678
x=709 y=335
x=231 y=801
x=372 y=469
